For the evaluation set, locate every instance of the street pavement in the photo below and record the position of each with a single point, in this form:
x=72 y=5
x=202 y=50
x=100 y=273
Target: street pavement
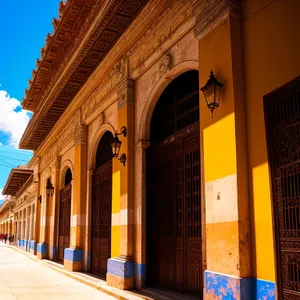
x=24 y=278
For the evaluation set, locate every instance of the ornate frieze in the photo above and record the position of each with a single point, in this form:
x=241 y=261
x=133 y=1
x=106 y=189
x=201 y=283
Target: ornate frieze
x=113 y=78
x=173 y=17
x=209 y=13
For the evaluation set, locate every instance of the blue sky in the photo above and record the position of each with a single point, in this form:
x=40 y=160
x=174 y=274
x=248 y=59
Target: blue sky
x=23 y=29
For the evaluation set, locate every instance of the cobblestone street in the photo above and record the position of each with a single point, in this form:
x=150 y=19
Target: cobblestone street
x=24 y=278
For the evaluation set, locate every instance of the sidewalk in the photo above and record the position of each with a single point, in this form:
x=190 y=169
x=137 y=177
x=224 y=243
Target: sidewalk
x=23 y=278
x=96 y=283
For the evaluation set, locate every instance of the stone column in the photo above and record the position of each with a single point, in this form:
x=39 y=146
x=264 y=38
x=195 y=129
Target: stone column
x=120 y=270
x=73 y=256
x=22 y=228
x=224 y=150
x=27 y=225
x=37 y=213
x=55 y=210
x=43 y=246
x=31 y=227
x=140 y=214
x=88 y=220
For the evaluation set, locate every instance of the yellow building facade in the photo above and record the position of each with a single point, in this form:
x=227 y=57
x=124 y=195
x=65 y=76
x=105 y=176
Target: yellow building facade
x=198 y=203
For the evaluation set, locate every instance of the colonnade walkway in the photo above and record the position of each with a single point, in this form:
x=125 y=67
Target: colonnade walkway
x=23 y=278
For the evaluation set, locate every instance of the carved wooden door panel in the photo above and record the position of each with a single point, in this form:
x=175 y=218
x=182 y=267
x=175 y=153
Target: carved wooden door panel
x=64 y=221
x=282 y=108
x=174 y=213
x=101 y=218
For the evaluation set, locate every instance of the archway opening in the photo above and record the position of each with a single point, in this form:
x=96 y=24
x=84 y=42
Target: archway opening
x=102 y=206
x=174 y=258
x=64 y=216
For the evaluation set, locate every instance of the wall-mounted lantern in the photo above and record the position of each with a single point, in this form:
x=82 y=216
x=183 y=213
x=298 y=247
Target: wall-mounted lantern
x=116 y=145
x=49 y=188
x=212 y=92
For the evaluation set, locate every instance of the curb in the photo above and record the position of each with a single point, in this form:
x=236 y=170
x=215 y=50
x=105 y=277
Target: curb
x=116 y=293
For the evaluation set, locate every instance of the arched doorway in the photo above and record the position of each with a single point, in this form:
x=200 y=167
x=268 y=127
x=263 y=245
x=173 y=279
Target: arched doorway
x=102 y=206
x=64 y=216
x=174 y=248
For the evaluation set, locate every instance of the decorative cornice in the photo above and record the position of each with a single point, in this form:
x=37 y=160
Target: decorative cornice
x=126 y=93
x=209 y=13
x=80 y=136
x=96 y=26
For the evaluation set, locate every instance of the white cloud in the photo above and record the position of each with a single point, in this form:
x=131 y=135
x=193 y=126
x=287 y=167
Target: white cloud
x=11 y=122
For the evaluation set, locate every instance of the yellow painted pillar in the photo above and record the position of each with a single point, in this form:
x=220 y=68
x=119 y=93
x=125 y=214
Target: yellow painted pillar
x=73 y=256
x=140 y=215
x=224 y=146
x=120 y=270
x=37 y=214
x=47 y=204
x=55 y=210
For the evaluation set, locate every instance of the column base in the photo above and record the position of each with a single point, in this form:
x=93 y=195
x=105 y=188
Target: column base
x=32 y=247
x=42 y=251
x=73 y=259
x=218 y=285
x=140 y=276
x=54 y=253
x=22 y=242
x=120 y=273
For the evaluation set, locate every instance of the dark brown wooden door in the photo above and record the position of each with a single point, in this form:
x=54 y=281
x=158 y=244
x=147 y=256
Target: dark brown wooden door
x=101 y=218
x=64 y=221
x=174 y=212
x=282 y=109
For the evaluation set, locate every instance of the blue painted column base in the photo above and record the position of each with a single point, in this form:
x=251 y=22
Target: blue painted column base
x=32 y=247
x=220 y=286
x=120 y=273
x=73 y=259
x=140 y=275
x=42 y=251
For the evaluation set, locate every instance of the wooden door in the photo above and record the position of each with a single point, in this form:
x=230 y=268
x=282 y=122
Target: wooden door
x=282 y=108
x=101 y=218
x=174 y=212
x=64 y=221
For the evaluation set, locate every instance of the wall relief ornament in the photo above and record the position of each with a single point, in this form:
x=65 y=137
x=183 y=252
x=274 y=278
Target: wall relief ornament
x=208 y=13
x=166 y=63
x=101 y=119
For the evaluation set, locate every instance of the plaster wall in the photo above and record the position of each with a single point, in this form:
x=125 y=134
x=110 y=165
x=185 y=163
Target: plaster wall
x=271 y=49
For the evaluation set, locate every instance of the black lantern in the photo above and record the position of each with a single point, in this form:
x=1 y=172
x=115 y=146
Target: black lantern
x=116 y=145
x=212 y=92
x=49 y=188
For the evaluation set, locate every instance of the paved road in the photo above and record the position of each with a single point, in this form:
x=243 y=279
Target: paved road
x=24 y=278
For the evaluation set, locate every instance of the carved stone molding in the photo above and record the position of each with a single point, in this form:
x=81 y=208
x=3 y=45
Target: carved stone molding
x=80 y=136
x=126 y=94
x=209 y=13
x=118 y=74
